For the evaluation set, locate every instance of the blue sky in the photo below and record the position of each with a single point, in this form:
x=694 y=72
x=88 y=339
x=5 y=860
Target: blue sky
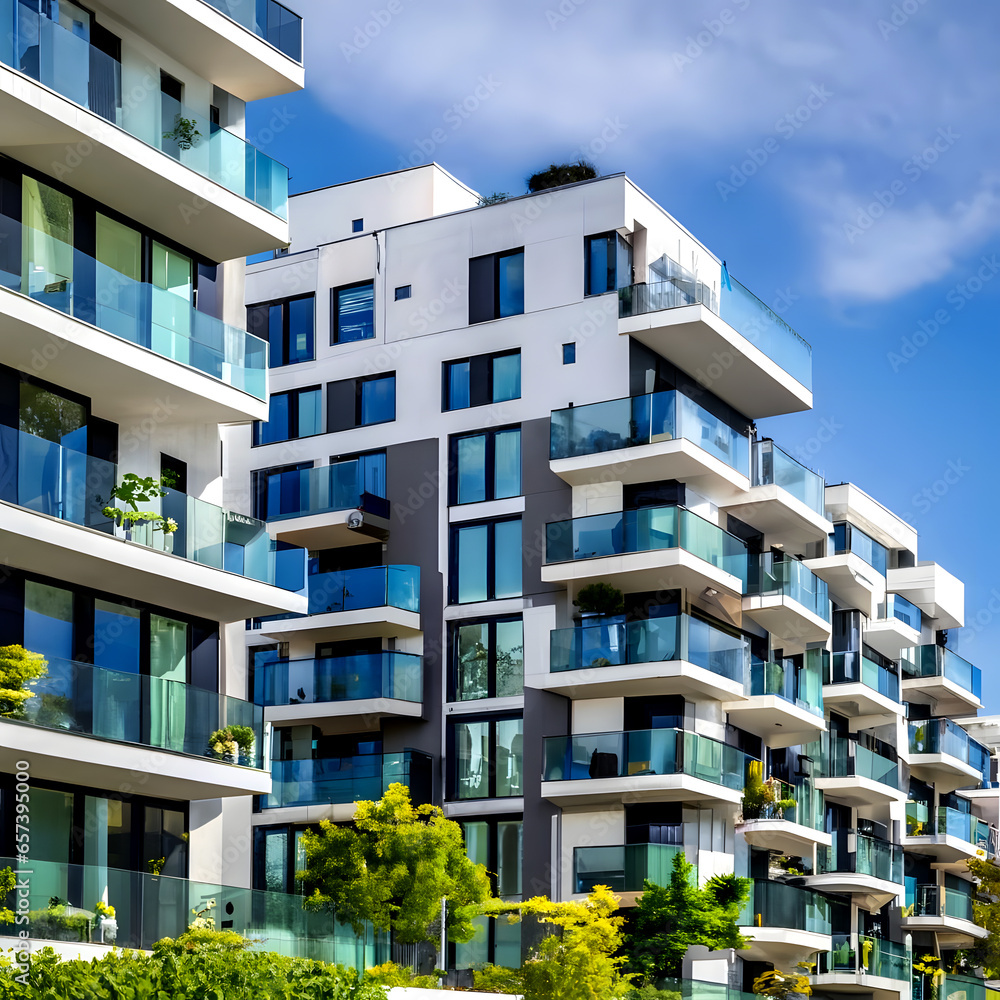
x=842 y=157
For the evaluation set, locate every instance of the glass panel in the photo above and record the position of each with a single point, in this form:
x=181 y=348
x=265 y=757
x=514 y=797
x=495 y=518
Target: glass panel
x=116 y=637
x=509 y=558
x=507 y=473
x=277 y=426
x=378 y=400
x=310 y=404
x=473 y=545
x=52 y=417
x=275 y=860
x=506 y=377
x=600 y=264
x=509 y=854
x=473 y=759
x=301 y=330
x=47 y=245
x=471 y=471
x=509 y=659
x=355 y=316
x=48 y=620
x=509 y=757
x=510 y=288
x=472 y=654
x=458 y=389
x=172 y=296
x=477 y=842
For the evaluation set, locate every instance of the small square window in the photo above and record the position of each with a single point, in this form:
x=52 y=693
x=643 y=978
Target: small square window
x=402 y=292
x=569 y=354
x=357 y=225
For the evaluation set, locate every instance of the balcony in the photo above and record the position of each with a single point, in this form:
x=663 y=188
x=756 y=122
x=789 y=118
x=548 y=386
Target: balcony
x=375 y=601
x=372 y=685
x=218 y=564
x=934 y=590
x=785 y=707
x=945 y=911
x=740 y=350
x=951 y=837
x=788 y=923
x=328 y=787
x=671 y=655
x=895 y=628
x=300 y=503
x=937 y=676
x=859 y=687
x=877 y=966
x=258 y=56
x=868 y=868
x=623 y=868
x=151 y=907
x=135 y=165
x=794 y=830
x=789 y=600
x=942 y=753
x=785 y=501
x=148 y=342
x=860 y=775
x=652 y=765
x=651 y=548
x=664 y=435
x=92 y=726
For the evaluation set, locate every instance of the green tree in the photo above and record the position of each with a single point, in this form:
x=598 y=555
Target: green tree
x=986 y=913
x=558 y=174
x=576 y=959
x=393 y=867
x=18 y=668
x=672 y=918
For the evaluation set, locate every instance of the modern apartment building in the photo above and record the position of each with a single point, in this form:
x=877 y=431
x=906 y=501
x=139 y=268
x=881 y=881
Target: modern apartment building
x=129 y=199
x=477 y=413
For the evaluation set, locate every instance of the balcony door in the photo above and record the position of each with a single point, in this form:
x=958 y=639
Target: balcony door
x=173 y=297
x=120 y=305
x=168 y=672
x=47 y=244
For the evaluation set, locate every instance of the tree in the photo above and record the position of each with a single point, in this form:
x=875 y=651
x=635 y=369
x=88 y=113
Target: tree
x=576 y=960
x=670 y=919
x=561 y=173
x=393 y=867
x=18 y=668
x=986 y=913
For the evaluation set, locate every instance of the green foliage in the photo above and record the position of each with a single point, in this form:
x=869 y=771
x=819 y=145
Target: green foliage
x=204 y=939
x=134 y=490
x=577 y=959
x=18 y=668
x=561 y=173
x=55 y=924
x=389 y=974
x=498 y=979
x=986 y=913
x=649 y=992
x=233 y=739
x=670 y=919
x=493 y=199
x=392 y=868
x=601 y=599
x=185 y=132
x=8 y=880
x=782 y=985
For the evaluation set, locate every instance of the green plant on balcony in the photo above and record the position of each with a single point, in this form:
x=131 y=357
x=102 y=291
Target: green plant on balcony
x=782 y=985
x=600 y=599
x=60 y=922
x=156 y=865
x=134 y=490
x=929 y=966
x=234 y=743
x=185 y=132
x=18 y=668
x=762 y=797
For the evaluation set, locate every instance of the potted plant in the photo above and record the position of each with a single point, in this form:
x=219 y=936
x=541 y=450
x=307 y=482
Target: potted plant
x=600 y=600
x=185 y=132
x=233 y=743
x=132 y=491
x=155 y=866
x=107 y=925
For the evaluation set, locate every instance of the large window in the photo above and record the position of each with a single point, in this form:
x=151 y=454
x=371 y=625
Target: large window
x=294 y=414
x=359 y=402
x=496 y=285
x=478 y=381
x=485 y=466
x=608 y=261
x=289 y=326
x=278 y=853
x=353 y=313
x=486 y=561
x=487 y=659
x=488 y=758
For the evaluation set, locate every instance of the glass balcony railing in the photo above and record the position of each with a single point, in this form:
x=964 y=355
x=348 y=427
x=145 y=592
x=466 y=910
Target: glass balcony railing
x=78 y=285
x=939 y=901
x=901 y=609
x=638 y=420
x=955 y=987
x=950 y=823
x=847 y=538
x=301 y=492
x=67 y=63
x=644 y=530
x=388 y=674
x=623 y=868
x=342 y=780
x=807 y=808
x=853 y=667
x=276 y=24
x=939 y=661
x=654 y=640
x=792 y=579
x=872 y=957
x=801 y=686
x=942 y=736
x=861 y=855
x=136 y=708
x=848 y=759
x=773 y=467
x=645 y=751
x=780 y=905
x=151 y=907
x=67 y=484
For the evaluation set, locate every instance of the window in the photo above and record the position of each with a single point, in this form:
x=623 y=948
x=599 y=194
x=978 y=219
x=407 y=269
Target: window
x=353 y=313
x=569 y=354
x=486 y=561
x=486 y=378
x=288 y=326
x=496 y=286
x=294 y=414
x=488 y=758
x=487 y=659
x=357 y=225
x=608 y=263
x=485 y=466
x=359 y=402
x=403 y=292
x=278 y=853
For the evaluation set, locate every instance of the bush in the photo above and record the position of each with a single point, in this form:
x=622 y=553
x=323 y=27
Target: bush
x=600 y=599
x=389 y=974
x=561 y=173
x=498 y=979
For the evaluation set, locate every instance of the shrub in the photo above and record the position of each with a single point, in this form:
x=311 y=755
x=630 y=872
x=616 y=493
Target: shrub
x=561 y=173
x=600 y=599
x=389 y=974
x=498 y=979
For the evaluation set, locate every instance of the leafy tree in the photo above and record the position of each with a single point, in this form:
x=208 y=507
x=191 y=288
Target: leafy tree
x=393 y=867
x=18 y=668
x=672 y=918
x=561 y=173
x=576 y=960
x=986 y=913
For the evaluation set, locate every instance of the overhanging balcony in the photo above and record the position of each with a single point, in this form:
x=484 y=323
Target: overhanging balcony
x=942 y=752
x=652 y=765
x=743 y=352
x=938 y=593
x=651 y=548
x=950 y=836
x=795 y=829
x=789 y=600
x=218 y=564
x=944 y=910
x=672 y=655
x=372 y=685
x=787 y=923
x=938 y=676
x=868 y=868
x=104 y=728
x=858 y=963
x=896 y=627
x=860 y=775
x=623 y=868
x=860 y=687
x=62 y=101
x=643 y=439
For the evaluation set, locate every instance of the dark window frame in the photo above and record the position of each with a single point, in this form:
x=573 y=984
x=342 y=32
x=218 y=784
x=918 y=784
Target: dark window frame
x=479 y=264
x=478 y=363
x=403 y=292
x=491 y=682
x=491 y=558
x=285 y=305
x=490 y=434
x=293 y=418
x=335 y=340
x=492 y=718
